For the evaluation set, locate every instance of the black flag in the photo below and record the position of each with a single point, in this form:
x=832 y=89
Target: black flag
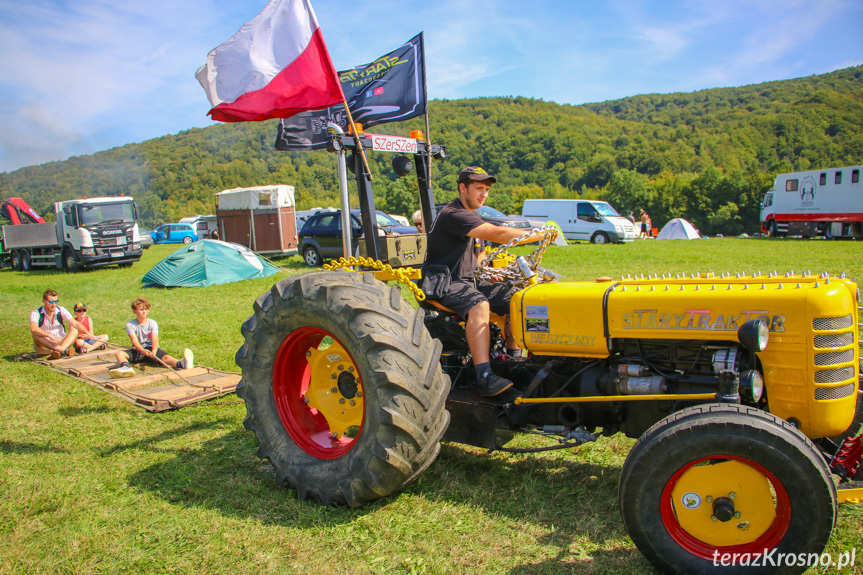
x=390 y=89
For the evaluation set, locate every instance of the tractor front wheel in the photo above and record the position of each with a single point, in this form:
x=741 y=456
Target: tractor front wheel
x=717 y=484
x=343 y=386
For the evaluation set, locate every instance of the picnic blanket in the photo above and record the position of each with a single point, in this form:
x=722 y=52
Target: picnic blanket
x=153 y=387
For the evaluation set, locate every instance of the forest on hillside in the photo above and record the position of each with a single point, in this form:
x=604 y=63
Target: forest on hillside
x=707 y=156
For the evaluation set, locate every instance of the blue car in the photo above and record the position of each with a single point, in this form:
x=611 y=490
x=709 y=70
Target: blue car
x=174 y=234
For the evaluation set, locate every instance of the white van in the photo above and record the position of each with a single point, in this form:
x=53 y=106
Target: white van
x=587 y=220
x=204 y=225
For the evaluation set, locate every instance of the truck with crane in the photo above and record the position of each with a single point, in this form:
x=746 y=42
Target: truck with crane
x=86 y=233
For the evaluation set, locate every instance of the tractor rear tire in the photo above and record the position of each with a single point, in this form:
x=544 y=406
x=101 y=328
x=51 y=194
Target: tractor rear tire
x=16 y=260
x=355 y=421
x=715 y=480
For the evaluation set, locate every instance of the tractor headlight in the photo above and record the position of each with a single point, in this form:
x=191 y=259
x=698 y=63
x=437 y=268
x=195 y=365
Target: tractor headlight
x=751 y=385
x=754 y=334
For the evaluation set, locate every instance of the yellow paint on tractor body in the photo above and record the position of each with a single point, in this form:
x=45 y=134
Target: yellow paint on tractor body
x=810 y=365
x=745 y=486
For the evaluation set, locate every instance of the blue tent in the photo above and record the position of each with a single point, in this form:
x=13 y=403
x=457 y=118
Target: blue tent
x=208 y=262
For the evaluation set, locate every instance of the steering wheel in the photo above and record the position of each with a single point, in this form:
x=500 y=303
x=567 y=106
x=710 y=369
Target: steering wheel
x=512 y=271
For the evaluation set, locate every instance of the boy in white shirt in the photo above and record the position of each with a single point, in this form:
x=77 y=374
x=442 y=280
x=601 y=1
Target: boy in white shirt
x=144 y=333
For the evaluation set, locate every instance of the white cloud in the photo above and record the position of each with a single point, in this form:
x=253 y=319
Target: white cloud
x=71 y=72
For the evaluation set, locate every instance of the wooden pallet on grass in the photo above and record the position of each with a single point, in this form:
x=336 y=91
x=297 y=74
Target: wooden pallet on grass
x=153 y=387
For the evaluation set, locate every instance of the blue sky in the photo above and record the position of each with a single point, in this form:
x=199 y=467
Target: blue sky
x=79 y=76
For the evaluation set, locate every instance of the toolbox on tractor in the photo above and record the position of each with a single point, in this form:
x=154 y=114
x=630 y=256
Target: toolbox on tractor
x=743 y=391
x=399 y=251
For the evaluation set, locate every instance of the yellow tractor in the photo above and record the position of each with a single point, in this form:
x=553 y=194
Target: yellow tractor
x=743 y=392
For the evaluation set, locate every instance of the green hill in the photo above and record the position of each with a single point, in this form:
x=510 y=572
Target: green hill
x=707 y=156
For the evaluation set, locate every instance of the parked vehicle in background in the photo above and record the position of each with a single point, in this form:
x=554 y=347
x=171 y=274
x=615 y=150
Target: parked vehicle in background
x=87 y=233
x=174 y=234
x=814 y=203
x=304 y=215
x=204 y=225
x=261 y=218
x=321 y=236
x=400 y=219
x=497 y=217
x=587 y=220
x=146 y=238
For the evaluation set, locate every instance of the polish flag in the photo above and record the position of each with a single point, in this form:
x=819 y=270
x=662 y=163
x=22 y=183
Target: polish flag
x=275 y=66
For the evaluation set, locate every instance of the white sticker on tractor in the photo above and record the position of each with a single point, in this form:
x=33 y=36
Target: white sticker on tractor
x=334 y=357
x=536 y=318
x=691 y=501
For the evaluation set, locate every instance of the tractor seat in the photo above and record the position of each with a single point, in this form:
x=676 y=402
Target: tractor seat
x=433 y=304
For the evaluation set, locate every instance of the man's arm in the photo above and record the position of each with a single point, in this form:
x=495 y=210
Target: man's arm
x=137 y=344
x=36 y=330
x=502 y=234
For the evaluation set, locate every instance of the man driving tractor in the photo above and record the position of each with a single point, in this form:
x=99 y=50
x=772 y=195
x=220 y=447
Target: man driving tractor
x=455 y=248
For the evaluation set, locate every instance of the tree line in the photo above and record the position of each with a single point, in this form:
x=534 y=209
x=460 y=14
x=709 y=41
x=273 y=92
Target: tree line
x=707 y=156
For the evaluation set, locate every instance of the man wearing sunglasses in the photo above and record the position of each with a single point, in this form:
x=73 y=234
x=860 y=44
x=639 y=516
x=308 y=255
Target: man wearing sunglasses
x=48 y=326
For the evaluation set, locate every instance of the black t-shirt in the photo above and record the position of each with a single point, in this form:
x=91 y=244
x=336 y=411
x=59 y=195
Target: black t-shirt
x=448 y=242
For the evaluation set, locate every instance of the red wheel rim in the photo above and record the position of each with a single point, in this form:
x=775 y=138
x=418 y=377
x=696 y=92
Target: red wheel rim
x=291 y=378
x=768 y=540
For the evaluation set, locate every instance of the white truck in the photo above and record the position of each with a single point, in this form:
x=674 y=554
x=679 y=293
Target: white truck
x=818 y=202
x=587 y=220
x=87 y=233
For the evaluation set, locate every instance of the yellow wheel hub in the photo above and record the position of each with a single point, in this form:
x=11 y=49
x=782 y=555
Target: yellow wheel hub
x=748 y=490
x=335 y=388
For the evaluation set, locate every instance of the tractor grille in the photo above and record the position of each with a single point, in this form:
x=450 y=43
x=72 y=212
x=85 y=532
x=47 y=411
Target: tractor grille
x=834 y=357
x=844 y=370
x=834 y=375
x=824 y=323
x=834 y=340
x=826 y=393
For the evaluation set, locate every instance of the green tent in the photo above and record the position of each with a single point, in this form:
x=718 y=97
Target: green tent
x=208 y=262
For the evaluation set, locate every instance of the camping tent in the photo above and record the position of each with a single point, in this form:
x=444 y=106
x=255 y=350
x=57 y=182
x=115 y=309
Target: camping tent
x=678 y=229
x=208 y=262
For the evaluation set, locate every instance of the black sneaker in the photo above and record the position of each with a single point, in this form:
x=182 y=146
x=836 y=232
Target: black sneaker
x=490 y=384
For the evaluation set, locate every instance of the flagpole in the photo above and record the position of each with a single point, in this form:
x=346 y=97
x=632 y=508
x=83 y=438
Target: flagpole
x=426 y=100
x=358 y=138
x=428 y=148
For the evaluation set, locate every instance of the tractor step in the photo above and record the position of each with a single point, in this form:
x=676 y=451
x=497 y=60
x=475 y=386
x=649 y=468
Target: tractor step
x=851 y=492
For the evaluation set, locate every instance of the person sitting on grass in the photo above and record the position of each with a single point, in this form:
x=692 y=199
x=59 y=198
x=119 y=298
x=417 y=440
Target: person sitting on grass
x=49 y=330
x=144 y=333
x=84 y=343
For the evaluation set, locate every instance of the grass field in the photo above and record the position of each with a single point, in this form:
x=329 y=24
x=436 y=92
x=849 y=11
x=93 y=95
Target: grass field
x=93 y=484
